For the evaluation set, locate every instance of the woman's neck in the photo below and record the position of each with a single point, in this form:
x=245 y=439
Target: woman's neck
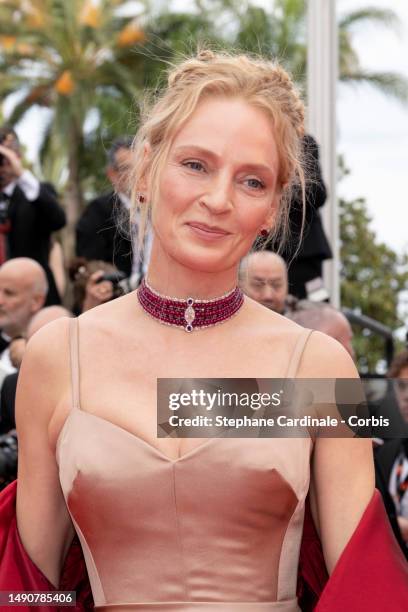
x=168 y=277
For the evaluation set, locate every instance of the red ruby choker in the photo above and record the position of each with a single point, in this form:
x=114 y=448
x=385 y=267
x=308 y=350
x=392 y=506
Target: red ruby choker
x=189 y=314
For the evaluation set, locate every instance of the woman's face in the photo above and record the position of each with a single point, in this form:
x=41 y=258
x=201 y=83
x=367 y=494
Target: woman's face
x=217 y=189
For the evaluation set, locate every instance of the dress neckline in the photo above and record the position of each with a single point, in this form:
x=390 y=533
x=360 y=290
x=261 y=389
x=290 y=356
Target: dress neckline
x=134 y=436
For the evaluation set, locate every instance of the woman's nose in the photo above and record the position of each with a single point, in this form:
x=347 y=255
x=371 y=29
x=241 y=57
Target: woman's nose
x=219 y=196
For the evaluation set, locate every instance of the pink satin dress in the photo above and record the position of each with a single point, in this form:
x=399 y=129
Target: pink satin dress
x=216 y=530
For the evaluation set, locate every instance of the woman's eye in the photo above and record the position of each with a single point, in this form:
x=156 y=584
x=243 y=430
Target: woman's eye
x=194 y=165
x=254 y=183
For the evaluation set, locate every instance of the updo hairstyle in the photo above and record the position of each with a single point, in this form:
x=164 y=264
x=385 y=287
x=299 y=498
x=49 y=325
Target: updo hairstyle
x=263 y=84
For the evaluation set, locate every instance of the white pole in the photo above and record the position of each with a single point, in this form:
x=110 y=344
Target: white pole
x=322 y=85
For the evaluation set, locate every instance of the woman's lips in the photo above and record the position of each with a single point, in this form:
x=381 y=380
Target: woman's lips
x=207 y=232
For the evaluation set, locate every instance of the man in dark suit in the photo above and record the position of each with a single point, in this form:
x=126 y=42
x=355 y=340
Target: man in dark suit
x=102 y=232
x=314 y=248
x=29 y=211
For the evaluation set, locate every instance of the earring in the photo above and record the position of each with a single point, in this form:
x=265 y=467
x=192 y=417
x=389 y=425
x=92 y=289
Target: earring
x=264 y=233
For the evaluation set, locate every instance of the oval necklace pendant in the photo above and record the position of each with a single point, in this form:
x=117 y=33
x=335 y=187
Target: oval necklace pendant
x=189 y=315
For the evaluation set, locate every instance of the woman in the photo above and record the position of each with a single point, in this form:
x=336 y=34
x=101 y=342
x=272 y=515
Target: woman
x=187 y=524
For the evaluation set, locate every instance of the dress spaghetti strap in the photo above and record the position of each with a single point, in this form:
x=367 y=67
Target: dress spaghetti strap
x=297 y=353
x=74 y=362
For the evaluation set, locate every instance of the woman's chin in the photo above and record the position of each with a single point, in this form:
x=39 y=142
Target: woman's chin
x=206 y=260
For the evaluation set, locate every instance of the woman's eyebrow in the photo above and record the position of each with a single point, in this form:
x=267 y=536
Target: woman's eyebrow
x=263 y=168
x=196 y=149
x=256 y=167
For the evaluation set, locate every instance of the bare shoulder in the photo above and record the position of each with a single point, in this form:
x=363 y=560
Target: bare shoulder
x=324 y=357
x=46 y=340
x=45 y=361
x=115 y=313
x=267 y=323
x=272 y=331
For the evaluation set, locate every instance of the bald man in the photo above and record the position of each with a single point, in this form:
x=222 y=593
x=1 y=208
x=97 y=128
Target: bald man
x=45 y=316
x=23 y=290
x=264 y=278
x=324 y=318
x=42 y=317
x=8 y=388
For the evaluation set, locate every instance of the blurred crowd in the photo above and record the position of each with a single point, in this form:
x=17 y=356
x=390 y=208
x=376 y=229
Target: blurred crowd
x=38 y=286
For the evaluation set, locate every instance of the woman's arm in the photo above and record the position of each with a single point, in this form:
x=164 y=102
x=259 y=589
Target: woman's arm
x=44 y=525
x=342 y=480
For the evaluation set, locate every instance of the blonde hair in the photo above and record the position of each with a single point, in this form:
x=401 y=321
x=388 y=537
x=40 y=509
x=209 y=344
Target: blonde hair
x=262 y=83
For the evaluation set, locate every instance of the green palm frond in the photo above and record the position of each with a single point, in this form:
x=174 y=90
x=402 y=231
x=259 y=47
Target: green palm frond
x=384 y=17
x=388 y=83
x=348 y=58
x=19 y=111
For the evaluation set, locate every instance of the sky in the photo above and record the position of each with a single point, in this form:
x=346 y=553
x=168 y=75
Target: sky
x=372 y=129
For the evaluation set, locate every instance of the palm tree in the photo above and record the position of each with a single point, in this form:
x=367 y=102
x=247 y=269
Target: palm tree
x=281 y=32
x=351 y=71
x=79 y=59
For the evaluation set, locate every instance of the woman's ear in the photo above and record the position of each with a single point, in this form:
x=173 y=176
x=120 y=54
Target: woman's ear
x=144 y=188
x=273 y=210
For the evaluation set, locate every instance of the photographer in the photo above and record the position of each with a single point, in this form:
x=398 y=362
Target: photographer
x=95 y=282
x=29 y=211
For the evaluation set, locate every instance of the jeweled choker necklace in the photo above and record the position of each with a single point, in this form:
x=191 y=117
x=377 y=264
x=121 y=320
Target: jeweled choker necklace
x=189 y=314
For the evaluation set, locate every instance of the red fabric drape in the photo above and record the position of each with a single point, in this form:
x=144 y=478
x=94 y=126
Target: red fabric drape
x=372 y=573
x=19 y=573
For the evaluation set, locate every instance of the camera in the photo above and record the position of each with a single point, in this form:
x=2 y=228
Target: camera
x=114 y=277
x=117 y=279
